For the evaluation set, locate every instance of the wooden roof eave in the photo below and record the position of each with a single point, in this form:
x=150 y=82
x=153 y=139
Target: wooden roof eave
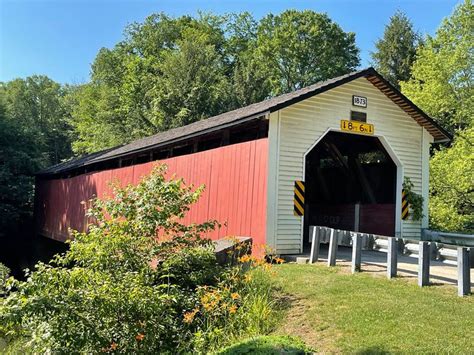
x=439 y=134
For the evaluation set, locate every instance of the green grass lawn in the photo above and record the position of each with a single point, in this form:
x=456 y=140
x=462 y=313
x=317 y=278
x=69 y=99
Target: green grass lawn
x=334 y=311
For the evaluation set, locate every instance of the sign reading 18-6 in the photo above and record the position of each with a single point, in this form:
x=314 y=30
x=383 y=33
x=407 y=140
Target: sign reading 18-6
x=360 y=101
x=357 y=127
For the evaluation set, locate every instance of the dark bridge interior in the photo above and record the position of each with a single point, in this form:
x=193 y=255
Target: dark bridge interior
x=345 y=170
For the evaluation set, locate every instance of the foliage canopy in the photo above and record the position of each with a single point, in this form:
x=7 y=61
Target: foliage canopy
x=19 y=159
x=396 y=50
x=452 y=185
x=168 y=72
x=442 y=82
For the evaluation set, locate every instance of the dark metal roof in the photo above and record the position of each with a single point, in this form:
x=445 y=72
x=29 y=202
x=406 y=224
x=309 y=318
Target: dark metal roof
x=247 y=113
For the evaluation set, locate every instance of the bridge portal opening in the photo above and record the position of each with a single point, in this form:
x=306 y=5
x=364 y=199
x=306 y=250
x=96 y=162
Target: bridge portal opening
x=350 y=185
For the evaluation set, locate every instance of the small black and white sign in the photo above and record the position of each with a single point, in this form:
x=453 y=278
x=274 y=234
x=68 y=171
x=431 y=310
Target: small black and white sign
x=359 y=101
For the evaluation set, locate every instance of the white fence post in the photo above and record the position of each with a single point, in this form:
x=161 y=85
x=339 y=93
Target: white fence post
x=332 y=248
x=424 y=264
x=356 y=252
x=392 y=251
x=315 y=242
x=464 y=272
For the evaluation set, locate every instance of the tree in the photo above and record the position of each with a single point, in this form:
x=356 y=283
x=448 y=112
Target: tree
x=396 y=50
x=36 y=105
x=192 y=85
x=299 y=48
x=20 y=157
x=248 y=77
x=165 y=73
x=442 y=75
x=96 y=120
x=168 y=72
x=452 y=185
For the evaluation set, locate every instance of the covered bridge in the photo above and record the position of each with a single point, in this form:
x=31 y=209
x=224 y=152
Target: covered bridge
x=333 y=154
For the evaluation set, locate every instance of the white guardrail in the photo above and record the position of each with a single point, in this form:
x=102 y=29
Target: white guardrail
x=463 y=242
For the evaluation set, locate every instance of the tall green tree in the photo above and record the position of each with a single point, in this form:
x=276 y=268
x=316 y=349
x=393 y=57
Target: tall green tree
x=34 y=134
x=442 y=85
x=168 y=72
x=248 y=77
x=396 y=50
x=165 y=73
x=299 y=48
x=193 y=84
x=96 y=120
x=452 y=185
x=442 y=75
x=20 y=157
x=36 y=105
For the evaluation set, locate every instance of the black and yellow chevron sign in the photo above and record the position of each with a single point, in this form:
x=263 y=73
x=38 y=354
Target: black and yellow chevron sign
x=405 y=205
x=299 y=198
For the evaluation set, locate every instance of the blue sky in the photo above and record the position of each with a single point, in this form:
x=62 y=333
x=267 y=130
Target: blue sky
x=61 y=38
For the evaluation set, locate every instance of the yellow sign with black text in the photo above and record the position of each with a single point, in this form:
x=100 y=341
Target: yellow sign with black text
x=357 y=127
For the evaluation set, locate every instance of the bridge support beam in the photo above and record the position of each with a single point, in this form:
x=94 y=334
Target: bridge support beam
x=464 y=272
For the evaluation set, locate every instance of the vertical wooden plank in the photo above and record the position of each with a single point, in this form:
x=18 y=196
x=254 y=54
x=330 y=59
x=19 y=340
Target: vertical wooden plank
x=464 y=272
x=215 y=178
x=233 y=192
x=263 y=156
x=244 y=167
x=252 y=201
x=224 y=206
x=392 y=257
x=258 y=218
x=424 y=264
x=254 y=193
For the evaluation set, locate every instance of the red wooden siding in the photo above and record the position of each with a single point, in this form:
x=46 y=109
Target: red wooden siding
x=236 y=191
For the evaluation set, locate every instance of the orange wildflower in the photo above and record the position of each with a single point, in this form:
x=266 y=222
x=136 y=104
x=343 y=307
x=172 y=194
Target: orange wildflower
x=189 y=316
x=245 y=258
x=235 y=296
x=140 y=337
x=233 y=309
x=113 y=346
x=210 y=306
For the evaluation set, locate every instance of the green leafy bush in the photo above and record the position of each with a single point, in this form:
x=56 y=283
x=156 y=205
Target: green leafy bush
x=414 y=200
x=138 y=281
x=451 y=203
x=268 y=345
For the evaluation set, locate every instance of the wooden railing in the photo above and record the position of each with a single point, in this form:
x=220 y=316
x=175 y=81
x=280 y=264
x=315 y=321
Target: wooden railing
x=462 y=241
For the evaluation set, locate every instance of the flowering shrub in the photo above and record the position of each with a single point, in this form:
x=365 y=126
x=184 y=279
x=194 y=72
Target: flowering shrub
x=139 y=281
